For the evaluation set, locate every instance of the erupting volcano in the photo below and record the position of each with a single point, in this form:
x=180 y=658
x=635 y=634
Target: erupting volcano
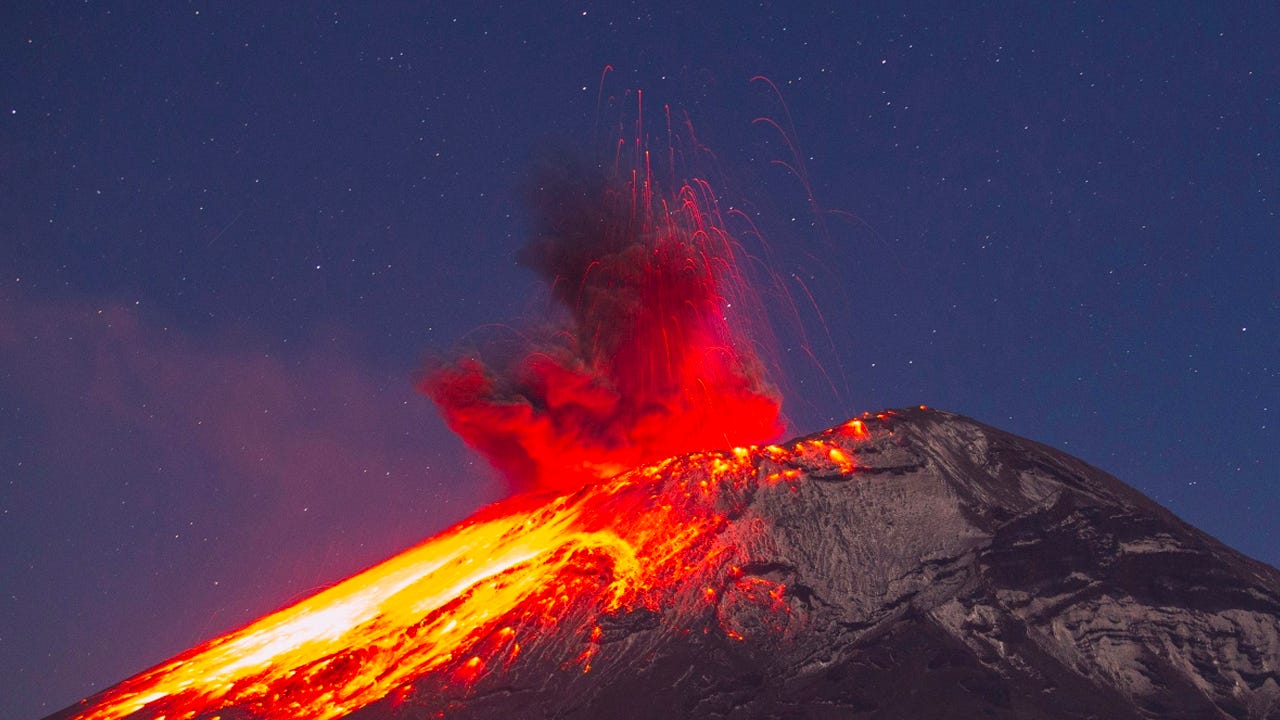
x=666 y=558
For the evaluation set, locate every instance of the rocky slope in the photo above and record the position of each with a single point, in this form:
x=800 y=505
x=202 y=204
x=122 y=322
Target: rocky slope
x=956 y=572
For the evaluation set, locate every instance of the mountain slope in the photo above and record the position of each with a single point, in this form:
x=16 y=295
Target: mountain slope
x=914 y=564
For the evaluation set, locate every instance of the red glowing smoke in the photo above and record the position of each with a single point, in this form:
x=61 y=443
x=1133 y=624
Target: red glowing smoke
x=649 y=363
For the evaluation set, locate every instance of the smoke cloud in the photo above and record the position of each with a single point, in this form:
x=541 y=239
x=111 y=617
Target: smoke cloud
x=648 y=359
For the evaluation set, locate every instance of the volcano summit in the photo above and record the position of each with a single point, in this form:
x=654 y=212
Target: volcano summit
x=911 y=564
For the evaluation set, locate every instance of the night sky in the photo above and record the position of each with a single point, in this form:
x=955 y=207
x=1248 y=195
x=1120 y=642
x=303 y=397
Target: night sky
x=230 y=238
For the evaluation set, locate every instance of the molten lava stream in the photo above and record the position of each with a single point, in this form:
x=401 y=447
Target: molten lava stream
x=458 y=603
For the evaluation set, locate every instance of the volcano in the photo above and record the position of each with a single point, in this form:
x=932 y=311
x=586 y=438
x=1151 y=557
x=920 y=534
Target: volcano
x=907 y=564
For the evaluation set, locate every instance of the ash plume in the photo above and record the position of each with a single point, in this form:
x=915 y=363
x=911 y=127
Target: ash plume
x=648 y=360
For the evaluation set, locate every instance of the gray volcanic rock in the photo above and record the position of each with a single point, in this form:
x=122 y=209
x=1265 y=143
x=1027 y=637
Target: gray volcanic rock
x=957 y=572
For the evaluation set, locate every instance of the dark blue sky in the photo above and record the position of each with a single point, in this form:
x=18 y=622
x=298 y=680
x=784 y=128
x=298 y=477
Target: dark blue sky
x=230 y=236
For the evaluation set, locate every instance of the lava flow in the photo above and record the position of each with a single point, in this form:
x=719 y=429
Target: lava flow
x=461 y=605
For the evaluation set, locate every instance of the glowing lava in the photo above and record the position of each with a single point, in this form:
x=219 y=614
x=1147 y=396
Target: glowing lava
x=461 y=605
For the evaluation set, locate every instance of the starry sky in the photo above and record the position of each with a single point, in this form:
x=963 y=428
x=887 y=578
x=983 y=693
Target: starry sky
x=232 y=235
